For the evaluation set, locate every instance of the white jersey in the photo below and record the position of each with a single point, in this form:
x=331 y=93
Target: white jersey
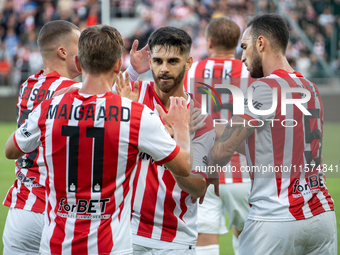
x=284 y=151
x=27 y=192
x=212 y=71
x=161 y=210
x=91 y=146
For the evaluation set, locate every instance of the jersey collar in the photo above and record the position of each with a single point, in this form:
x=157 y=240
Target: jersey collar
x=281 y=72
x=53 y=74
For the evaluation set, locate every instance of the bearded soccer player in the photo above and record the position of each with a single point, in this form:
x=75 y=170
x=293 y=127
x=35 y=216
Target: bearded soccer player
x=91 y=139
x=58 y=43
x=221 y=67
x=291 y=210
x=163 y=214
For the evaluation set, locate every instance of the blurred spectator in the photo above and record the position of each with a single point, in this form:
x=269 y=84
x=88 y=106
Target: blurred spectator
x=303 y=63
x=21 y=20
x=319 y=45
x=93 y=18
x=326 y=17
x=5 y=64
x=11 y=40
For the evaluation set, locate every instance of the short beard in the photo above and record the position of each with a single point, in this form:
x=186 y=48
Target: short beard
x=256 y=70
x=165 y=87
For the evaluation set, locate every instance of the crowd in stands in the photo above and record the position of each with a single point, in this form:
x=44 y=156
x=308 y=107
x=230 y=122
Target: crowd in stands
x=21 y=20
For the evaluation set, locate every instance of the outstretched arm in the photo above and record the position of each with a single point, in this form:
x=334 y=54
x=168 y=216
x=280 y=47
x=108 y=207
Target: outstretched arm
x=194 y=184
x=232 y=138
x=178 y=117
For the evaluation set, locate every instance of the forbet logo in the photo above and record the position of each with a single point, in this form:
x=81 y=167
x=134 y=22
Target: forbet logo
x=239 y=101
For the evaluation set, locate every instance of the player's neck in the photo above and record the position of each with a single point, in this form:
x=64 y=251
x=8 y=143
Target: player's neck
x=165 y=97
x=273 y=63
x=55 y=68
x=222 y=54
x=97 y=84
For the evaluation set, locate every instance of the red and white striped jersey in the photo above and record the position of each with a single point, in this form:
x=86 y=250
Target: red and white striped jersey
x=161 y=211
x=283 y=150
x=27 y=191
x=212 y=71
x=91 y=145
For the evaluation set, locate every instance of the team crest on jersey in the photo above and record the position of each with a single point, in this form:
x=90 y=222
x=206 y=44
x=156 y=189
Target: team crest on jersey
x=25 y=162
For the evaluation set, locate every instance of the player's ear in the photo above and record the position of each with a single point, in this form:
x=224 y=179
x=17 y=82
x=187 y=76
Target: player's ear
x=76 y=61
x=61 y=52
x=260 y=43
x=118 y=65
x=209 y=43
x=188 y=64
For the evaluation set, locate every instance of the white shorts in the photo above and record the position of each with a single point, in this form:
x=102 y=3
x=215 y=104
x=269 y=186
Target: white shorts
x=142 y=250
x=22 y=232
x=313 y=236
x=233 y=199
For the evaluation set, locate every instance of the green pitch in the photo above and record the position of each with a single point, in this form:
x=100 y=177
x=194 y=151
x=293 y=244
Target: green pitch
x=330 y=152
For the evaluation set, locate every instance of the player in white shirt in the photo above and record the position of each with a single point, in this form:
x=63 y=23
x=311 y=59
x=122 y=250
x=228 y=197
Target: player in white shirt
x=291 y=210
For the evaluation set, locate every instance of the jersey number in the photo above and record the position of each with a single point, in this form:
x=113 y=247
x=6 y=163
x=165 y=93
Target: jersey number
x=97 y=173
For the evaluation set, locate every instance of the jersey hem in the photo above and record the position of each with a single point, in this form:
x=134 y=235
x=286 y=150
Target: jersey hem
x=14 y=207
x=309 y=215
x=122 y=252
x=159 y=244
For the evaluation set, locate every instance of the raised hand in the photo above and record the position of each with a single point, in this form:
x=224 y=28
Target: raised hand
x=195 y=118
x=139 y=59
x=123 y=87
x=178 y=115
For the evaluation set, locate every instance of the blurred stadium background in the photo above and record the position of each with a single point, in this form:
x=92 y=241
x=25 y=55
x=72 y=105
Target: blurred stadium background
x=314 y=47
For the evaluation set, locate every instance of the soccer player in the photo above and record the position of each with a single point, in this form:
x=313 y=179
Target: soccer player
x=221 y=67
x=91 y=140
x=58 y=43
x=291 y=210
x=163 y=214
